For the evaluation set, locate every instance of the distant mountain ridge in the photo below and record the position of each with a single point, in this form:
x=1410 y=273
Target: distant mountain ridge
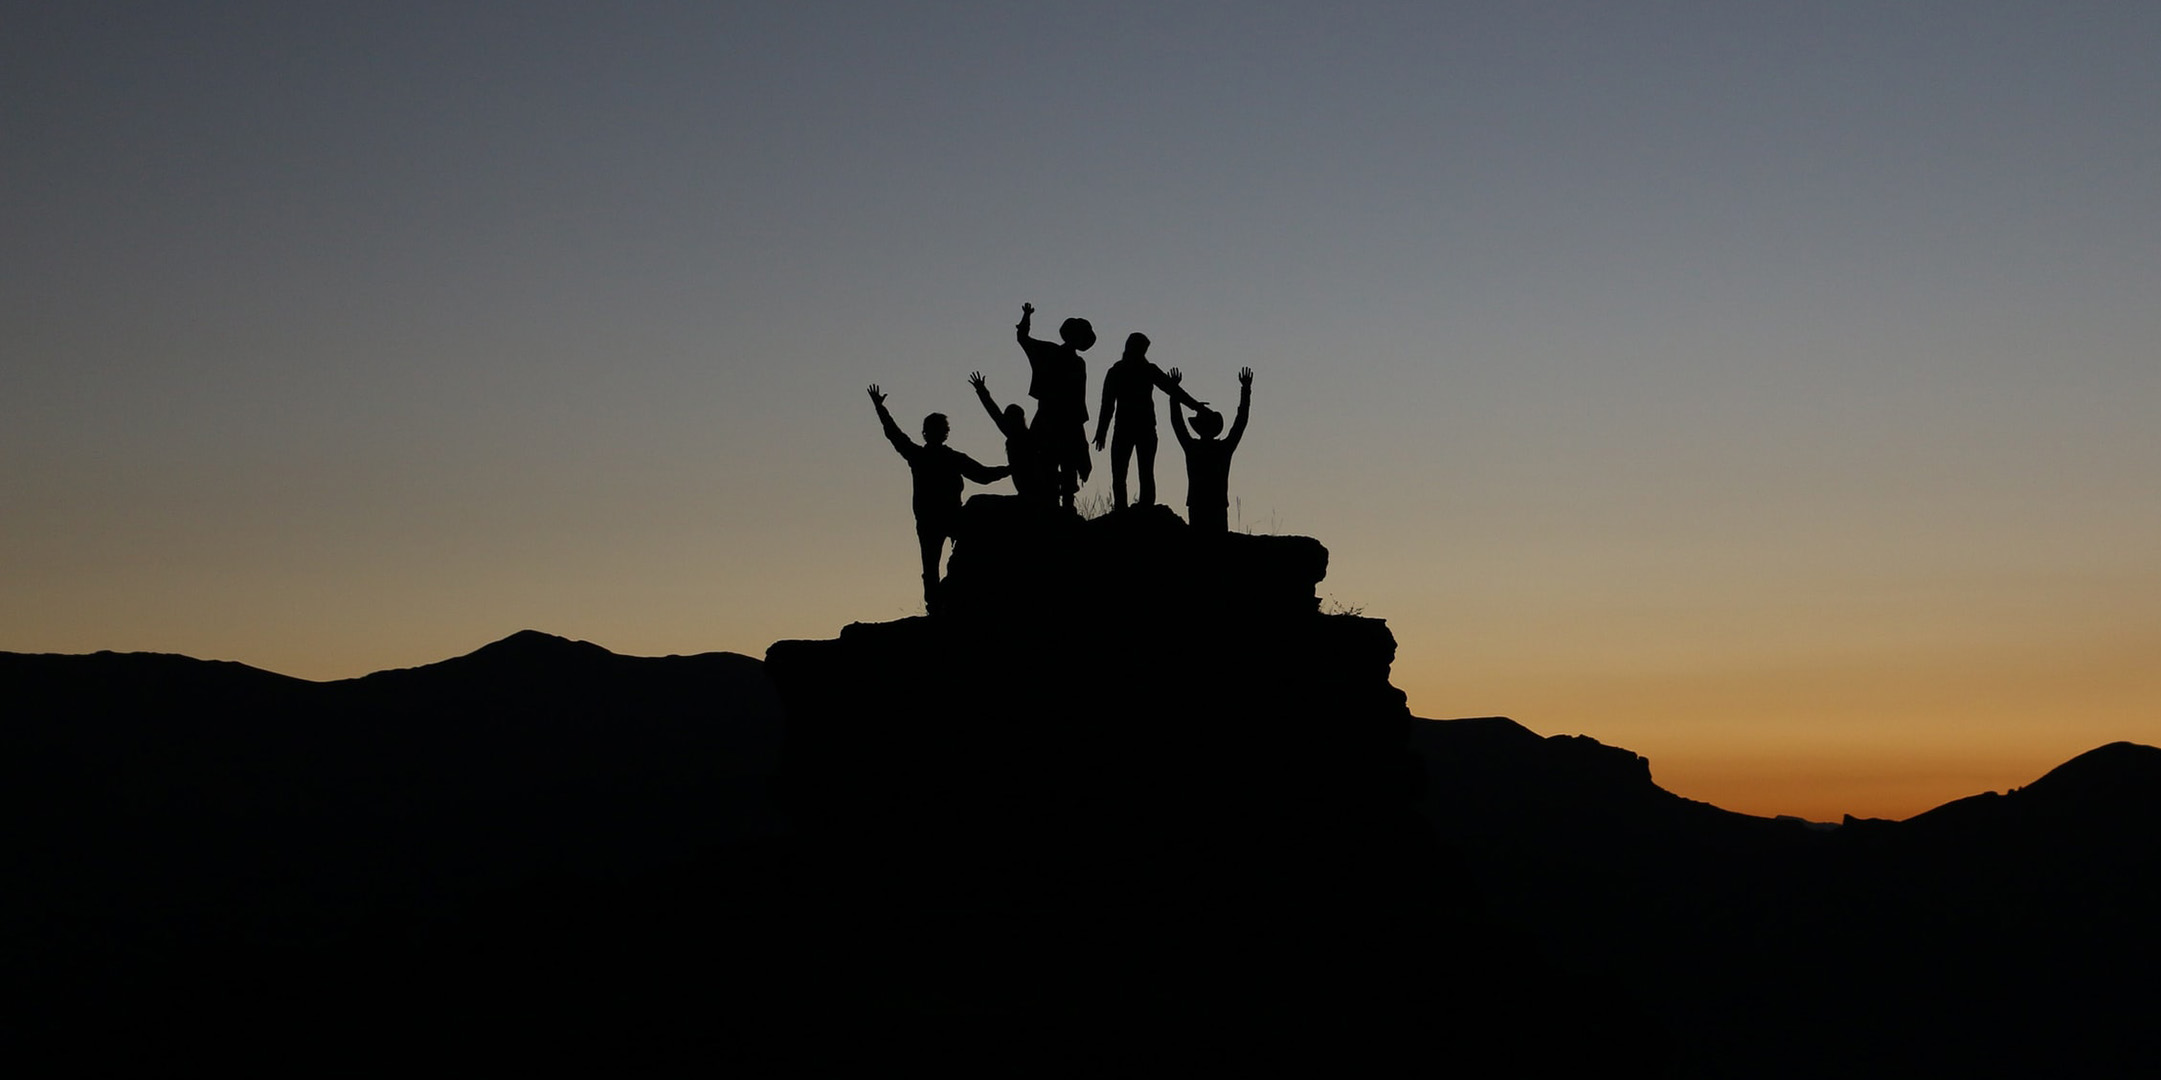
x=1996 y=933
x=260 y=808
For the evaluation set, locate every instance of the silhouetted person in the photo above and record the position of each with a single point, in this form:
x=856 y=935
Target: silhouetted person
x=1058 y=381
x=1031 y=481
x=938 y=470
x=1208 y=460
x=1129 y=396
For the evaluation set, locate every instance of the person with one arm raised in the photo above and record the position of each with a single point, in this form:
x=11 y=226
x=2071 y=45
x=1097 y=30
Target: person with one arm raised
x=1058 y=381
x=1208 y=459
x=939 y=474
x=1031 y=481
x=1129 y=395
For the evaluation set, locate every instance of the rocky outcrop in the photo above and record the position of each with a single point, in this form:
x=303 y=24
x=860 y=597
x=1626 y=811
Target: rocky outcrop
x=1129 y=767
x=1015 y=561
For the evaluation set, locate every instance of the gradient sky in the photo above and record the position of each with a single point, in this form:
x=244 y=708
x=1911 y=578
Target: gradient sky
x=1769 y=389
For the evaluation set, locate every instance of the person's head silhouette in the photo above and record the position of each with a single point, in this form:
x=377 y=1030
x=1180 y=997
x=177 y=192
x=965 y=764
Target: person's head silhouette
x=1207 y=423
x=1136 y=345
x=935 y=429
x=1015 y=416
x=1077 y=333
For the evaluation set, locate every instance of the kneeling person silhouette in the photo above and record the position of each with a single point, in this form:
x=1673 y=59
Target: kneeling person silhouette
x=1208 y=459
x=1032 y=479
x=939 y=471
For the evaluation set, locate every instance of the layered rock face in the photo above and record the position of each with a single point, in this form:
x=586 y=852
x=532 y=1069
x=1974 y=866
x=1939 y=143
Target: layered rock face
x=1128 y=768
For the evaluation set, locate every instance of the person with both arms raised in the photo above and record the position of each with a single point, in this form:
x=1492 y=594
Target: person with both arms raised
x=939 y=470
x=1129 y=396
x=1208 y=459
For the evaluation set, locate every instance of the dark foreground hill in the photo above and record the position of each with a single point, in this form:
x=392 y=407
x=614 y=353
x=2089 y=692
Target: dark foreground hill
x=1997 y=935
x=1127 y=803
x=1129 y=787
x=187 y=842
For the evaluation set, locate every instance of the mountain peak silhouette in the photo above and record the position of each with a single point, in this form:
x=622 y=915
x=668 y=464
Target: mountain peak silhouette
x=2118 y=768
x=536 y=643
x=528 y=648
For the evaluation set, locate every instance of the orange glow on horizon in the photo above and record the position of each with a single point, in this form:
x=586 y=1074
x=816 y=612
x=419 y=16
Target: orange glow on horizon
x=1866 y=736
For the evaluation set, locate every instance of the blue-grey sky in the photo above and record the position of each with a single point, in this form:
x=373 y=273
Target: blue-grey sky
x=1769 y=389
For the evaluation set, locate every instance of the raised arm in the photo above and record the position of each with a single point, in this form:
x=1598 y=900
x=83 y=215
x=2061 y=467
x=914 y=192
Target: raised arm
x=1020 y=329
x=1178 y=415
x=982 y=394
x=893 y=434
x=1245 y=402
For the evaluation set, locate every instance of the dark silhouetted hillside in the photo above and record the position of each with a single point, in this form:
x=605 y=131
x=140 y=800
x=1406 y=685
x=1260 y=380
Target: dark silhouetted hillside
x=1130 y=784
x=1996 y=934
x=175 y=826
x=1128 y=802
